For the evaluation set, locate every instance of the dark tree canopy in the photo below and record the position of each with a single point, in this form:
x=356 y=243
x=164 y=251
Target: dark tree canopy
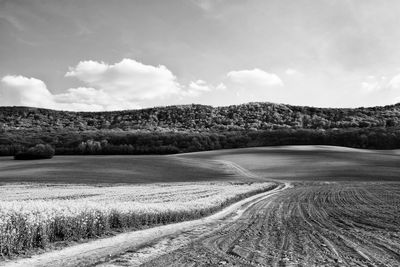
x=176 y=129
x=254 y=116
x=40 y=151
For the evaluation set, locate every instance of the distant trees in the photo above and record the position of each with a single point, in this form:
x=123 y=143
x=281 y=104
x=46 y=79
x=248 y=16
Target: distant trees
x=131 y=143
x=90 y=147
x=40 y=151
x=251 y=116
x=188 y=128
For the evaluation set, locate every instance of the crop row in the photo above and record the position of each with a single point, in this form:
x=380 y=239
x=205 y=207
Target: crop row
x=311 y=224
x=36 y=216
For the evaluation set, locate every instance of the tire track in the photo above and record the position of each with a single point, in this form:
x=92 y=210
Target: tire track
x=103 y=250
x=242 y=172
x=315 y=224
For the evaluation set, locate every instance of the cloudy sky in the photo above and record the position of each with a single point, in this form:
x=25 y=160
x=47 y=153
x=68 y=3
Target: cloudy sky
x=123 y=54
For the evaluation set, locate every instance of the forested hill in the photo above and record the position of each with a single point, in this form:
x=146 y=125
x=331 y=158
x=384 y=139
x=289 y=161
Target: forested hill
x=188 y=128
x=200 y=118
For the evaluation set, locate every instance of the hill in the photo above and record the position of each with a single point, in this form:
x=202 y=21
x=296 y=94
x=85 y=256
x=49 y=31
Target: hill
x=251 y=116
x=187 y=128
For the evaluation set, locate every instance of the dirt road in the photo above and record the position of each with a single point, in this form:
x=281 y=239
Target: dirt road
x=102 y=250
x=322 y=219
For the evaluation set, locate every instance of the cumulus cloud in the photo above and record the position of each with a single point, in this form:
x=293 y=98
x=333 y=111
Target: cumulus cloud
x=91 y=99
x=128 y=84
x=196 y=88
x=124 y=85
x=199 y=85
x=255 y=77
x=23 y=91
x=128 y=79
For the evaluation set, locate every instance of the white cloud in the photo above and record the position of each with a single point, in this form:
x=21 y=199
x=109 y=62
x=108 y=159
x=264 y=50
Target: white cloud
x=395 y=82
x=368 y=86
x=221 y=87
x=255 y=77
x=196 y=88
x=124 y=85
x=128 y=79
x=86 y=98
x=381 y=90
x=127 y=84
x=199 y=85
x=23 y=91
x=374 y=84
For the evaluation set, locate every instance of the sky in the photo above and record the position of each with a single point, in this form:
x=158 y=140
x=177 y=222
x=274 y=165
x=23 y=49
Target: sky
x=95 y=55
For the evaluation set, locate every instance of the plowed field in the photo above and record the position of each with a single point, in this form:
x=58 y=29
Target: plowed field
x=313 y=224
x=333 y=206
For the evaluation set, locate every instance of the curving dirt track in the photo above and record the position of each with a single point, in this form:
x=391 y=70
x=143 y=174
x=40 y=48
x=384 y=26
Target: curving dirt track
x=313 y=224
x=101 y=250
x=343 y=210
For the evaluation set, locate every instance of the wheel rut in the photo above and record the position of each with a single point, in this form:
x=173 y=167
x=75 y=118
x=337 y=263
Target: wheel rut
x=308 y=225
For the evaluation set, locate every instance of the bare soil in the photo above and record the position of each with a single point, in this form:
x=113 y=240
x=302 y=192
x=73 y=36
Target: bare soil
x=102 y=170
x=343 y=210
x=311 y=163
x=317 y=224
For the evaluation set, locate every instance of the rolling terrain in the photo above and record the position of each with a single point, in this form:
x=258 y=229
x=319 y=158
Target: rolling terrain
x=318 y=163
x=339 y=207
x=112 y=170
x=312 y=163
x=342 y=210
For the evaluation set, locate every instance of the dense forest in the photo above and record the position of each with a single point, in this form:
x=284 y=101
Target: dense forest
x=251 y=116
x=176 y=129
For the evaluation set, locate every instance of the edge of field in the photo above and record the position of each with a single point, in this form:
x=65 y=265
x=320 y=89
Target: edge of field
x=102 y=249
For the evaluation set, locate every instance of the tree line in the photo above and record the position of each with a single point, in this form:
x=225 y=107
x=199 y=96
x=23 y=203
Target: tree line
x=200 y=118
x=188 y=128
x=113 y=143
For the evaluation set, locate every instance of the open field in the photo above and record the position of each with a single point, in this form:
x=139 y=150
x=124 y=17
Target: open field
x=312 y=224
x=289 y=163
x=311 y=163
x=111 y=170
x=34 y=216
x=342 y=207
x=101 y=250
